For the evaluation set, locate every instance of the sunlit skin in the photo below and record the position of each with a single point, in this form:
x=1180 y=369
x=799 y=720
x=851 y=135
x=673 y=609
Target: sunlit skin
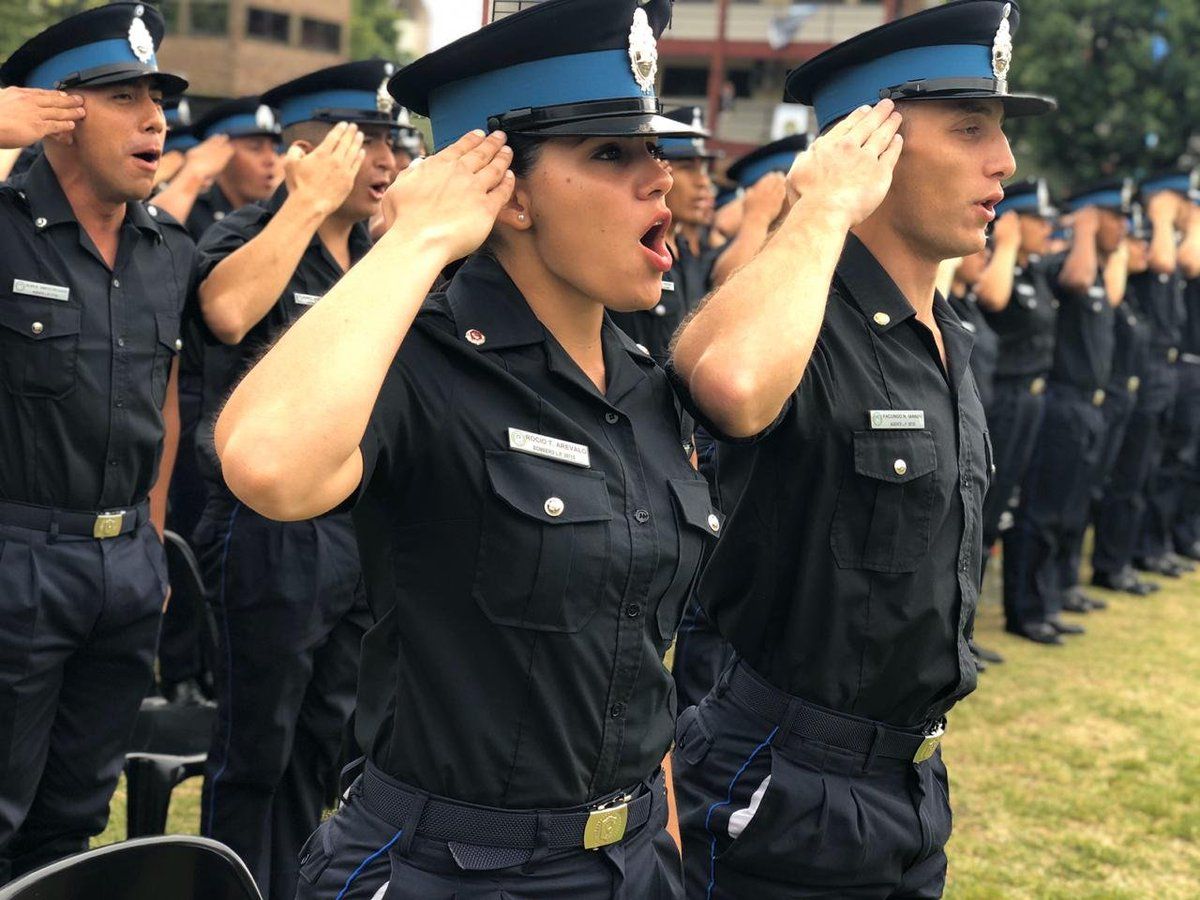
x=970 y=268
x=117 y=147
x=1035 y=235
x=595 y=221
x=378 y=170
x=948 y=179
x=1111 y=232
x=252 y=173
x=691 y=199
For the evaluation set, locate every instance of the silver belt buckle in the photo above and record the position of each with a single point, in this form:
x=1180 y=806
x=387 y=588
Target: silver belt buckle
x=932 y=741
x=606 y=823
x=108 y=525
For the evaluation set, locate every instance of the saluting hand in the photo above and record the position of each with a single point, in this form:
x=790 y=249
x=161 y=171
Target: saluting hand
x=1007 y=230
x=847 y=172
x=209 y=158
x=764 y=199
x=324 y=176
x=451 y=199
x=28 y=114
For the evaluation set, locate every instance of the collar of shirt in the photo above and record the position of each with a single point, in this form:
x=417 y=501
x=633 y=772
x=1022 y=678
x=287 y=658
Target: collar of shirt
x=40 y=189
x=491 y=313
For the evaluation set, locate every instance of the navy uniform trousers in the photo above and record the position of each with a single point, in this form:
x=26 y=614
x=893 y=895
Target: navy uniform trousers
x=1121 y=513
x=1014 y=419
x=360 y=853
x=1055 y=498
x=1173 y=494
x=79 y=619
x=764 y=814
x=291 y=613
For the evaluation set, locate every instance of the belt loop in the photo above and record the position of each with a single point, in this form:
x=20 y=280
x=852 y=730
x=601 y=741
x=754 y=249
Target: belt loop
x=875 y=742
x=541 y=843
x=722 y=684
x=411 y=822
x=790 y=715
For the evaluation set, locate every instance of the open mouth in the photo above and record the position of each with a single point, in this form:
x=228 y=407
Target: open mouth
x=654 y=241
x=378 y=189
x=149 y=158
x=988 y=205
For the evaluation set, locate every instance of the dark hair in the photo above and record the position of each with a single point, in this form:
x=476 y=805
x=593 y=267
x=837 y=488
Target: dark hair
x=527 y=149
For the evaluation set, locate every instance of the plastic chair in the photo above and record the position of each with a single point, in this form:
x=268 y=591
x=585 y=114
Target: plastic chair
x=170 y=742
x=176 y=867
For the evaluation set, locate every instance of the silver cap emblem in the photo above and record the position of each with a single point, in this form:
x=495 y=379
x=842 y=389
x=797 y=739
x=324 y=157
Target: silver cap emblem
x=384 y=102
x=1043 y=196
x=141 y=42
x=264 y=118
x=1002 y=48
x=643 y=51
x=184 y=111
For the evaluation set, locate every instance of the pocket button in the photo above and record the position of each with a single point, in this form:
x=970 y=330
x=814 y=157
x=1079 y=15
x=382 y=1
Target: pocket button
x=900 y=466
x=554 y=507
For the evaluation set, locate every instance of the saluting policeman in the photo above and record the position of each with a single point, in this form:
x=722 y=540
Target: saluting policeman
x=849 y=573
x=529 y=517
x=1041 y=549
x=92 y=284
x=288 y=595
x=1182 y=462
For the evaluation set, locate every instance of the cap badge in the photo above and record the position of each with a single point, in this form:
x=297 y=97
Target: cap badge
x=141 y=42
x=384 y=101
x=643 y=51
x=1002 y=48
x=184 y=111
x=264 y=118
x=1043 y=196
x=1126 y=194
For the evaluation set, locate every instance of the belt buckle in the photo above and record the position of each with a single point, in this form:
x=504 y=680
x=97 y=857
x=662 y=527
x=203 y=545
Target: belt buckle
x=932 y=741
x=606 y=823
x=108 y=525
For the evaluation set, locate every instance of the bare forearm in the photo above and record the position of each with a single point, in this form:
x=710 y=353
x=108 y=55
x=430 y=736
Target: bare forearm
x=1162 y=258
x=1116 y=275
x=745 y=351
x=1189 y=249
x=180 y=195
x=1080 y=267
x=741 y=249
x=995 y=285
x=247 y=283
x=288 y=438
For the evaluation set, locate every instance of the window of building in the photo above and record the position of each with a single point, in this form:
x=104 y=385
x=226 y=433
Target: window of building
x=208 y=17
x=267 y=25
x=684 y=81
x=316 y=34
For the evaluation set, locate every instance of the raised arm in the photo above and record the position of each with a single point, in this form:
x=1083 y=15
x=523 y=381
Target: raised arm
x=746 y=349
x=995 y=286
x=761 y=206
x=1083 y=262
x=1161 y=210
x=27 y=115
x=1189 y=248
x=1116 y=274
x=247 y=283
x=289 y=437
x=201 y=165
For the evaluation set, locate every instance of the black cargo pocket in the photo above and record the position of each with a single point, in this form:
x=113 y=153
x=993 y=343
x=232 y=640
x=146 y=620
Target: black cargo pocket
x=314 y=857
x=693 y=739
x=39 y=348
x=165 y=350
x=885 y=505
x=544 y=543
x=697 y=525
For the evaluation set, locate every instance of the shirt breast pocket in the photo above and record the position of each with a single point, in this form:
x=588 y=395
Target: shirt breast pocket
x=166 y=347
x=697 y=525
x=39 y=348
x=884 y=513
x=544 y=543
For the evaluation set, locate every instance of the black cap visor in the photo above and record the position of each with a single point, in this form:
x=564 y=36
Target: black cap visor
x=684 y=154
x=622 y=117
x=170 y=85
x=1015 y=105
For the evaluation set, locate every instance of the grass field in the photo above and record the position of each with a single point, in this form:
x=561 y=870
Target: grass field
x=1075 y=770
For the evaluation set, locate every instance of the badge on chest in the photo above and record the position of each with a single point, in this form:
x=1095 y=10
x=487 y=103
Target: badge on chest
x=305 y=299
x=897 y=419
x=548 y=447
x=37 y=289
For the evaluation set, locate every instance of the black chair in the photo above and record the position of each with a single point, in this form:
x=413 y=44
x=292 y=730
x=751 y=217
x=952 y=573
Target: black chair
x=176 y=867
x=170 y=742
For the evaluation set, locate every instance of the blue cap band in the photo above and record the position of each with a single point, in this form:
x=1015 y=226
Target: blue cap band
x=238 y=126
x=858 y=85
x=466 y=104
x=776 y=162
x=80 y=59
x=1020 y=203
x=1180 y=183
x=677 y=145
x=1106 y=199
x=303 y=107
x=182 y=143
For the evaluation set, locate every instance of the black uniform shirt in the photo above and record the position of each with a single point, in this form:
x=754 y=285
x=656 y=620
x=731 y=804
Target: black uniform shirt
x=1131 y=344
x=210 y=207
x=1160 y=299
x=849 y=571
x=688 y=282
x=1025 y=327
x=526 y=602
x=1084 y=338
x=317 y=272
x=85 y=351
x=987 y=345
x=1191 y=323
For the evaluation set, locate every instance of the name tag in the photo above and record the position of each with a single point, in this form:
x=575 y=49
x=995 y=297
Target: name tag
x=37 y=289
x=668 y=286
x=897 y=419
x=548 y=447
x=306 y=299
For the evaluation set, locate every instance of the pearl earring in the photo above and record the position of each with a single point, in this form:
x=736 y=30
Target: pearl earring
x=520 y=217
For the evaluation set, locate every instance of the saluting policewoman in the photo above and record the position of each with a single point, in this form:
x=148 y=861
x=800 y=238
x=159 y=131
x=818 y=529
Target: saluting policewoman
x=529 y=520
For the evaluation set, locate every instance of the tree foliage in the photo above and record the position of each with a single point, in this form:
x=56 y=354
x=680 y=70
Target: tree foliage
x=1126 y=74
x=22 y=19
x=373 y=28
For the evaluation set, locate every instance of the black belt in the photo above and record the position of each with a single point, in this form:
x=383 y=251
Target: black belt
x=805 y=720
x=606 y=822
x=100 y=525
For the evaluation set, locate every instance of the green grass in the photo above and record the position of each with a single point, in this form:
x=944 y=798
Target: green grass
x=1075 y=770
